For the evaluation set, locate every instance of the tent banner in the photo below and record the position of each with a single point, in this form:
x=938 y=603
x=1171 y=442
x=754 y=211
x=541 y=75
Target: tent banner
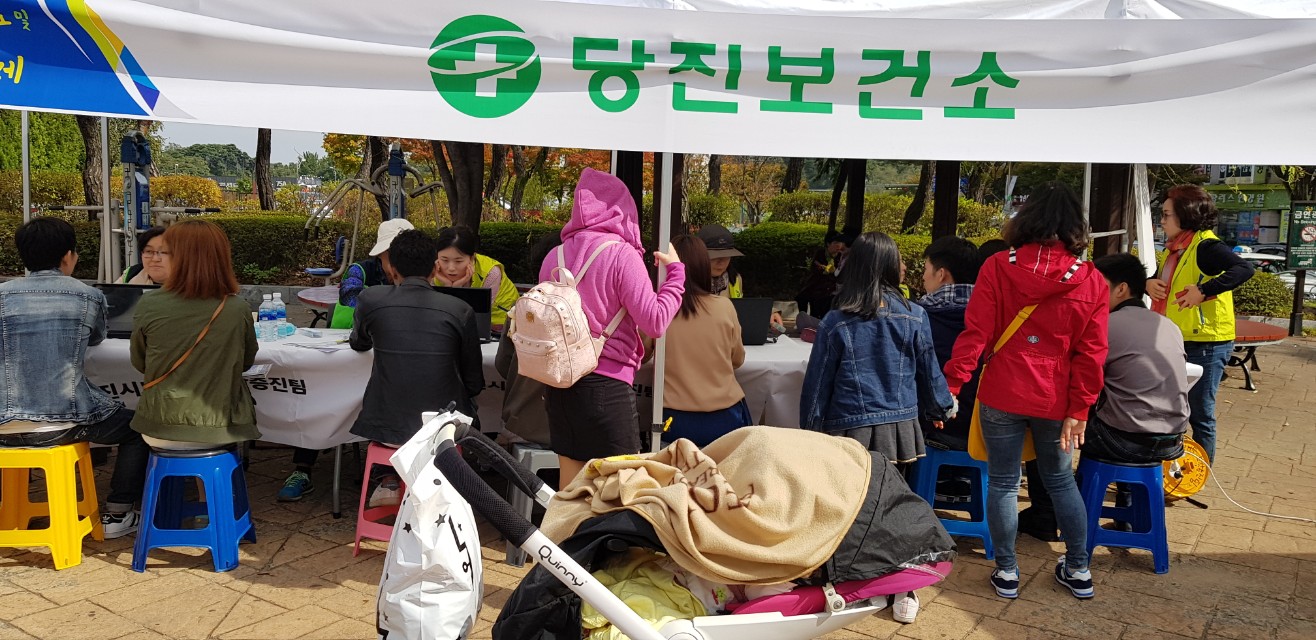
x=567 y=74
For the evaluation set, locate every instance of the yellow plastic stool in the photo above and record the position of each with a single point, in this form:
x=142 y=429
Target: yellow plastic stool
x=70 y=519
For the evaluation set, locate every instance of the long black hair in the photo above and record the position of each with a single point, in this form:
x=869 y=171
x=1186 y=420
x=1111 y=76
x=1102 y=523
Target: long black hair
x=872 y=271
x=698 y=273
x=1052 y=212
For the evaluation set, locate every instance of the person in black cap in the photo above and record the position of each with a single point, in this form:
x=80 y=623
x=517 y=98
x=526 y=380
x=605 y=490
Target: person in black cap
x=721 y=249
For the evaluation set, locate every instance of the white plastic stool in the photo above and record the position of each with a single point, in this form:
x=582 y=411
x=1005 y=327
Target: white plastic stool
x=535 y=459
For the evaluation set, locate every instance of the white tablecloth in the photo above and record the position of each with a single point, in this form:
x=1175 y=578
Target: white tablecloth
x=310 y=399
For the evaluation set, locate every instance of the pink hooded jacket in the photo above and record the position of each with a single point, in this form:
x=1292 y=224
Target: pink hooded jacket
x=604 y=210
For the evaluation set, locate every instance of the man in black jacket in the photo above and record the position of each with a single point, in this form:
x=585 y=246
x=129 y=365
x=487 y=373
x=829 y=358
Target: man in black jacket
x=427 y=353
x=950 y=267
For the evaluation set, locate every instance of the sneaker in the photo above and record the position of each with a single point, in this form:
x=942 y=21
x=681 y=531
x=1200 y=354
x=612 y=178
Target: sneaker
x=117 y=525
x=1006 y=583
x=1078 y=582
x=905 y=609
x=297 y=485
x=387 y=494
x=952 y=491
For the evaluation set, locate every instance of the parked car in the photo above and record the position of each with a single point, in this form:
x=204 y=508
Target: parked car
x=1265 y=262
x=1289 y=278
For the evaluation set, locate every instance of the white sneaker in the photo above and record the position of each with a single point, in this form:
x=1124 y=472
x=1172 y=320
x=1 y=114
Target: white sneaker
x=119 y=525
x=384 y=496
x=905 y=609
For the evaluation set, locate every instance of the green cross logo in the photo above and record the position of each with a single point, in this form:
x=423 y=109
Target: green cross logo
x=484 y=66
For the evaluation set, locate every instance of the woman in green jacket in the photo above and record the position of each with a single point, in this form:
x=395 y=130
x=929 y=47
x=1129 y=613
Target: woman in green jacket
x=192 y=340
x=461 y=266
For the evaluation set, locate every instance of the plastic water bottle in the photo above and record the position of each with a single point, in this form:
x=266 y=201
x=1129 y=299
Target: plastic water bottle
x=266 y=321
x=282 y=328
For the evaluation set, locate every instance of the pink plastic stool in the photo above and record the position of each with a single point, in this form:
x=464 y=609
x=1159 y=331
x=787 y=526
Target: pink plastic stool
x=367 y=525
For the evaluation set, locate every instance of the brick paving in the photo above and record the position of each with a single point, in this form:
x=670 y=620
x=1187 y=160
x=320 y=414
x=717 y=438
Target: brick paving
x=1233 y=574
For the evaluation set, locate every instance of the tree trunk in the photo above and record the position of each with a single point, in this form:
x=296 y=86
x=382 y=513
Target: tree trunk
x=794 y=175
x=264 y=186
x=377 y=156
x=496 y=170
x=838 y=188
x=915 y=211
x=523 y=175
x=92 y=186
x=461 y=169
x=715 y=174
x=946 y=199
x=854 y=196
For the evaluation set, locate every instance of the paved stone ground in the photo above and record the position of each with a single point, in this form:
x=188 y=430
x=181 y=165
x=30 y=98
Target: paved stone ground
x=1233 y=574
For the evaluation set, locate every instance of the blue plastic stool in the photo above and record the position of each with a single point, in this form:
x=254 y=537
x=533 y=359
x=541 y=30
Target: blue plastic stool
x=1146 y=514
x=925 y=485
x=164 y=508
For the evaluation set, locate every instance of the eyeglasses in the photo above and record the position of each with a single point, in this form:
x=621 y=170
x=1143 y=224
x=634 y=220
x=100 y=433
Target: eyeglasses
x=150 y=253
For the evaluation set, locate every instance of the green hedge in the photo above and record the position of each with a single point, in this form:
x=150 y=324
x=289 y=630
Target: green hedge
x=882 y=212
x=273 y=247
x=47 y=188
x=1263 y=295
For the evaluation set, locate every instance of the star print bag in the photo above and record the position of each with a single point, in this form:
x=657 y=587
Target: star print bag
x=433 y=580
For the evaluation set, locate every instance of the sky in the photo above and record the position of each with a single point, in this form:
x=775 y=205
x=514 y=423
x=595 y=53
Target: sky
x=285 y=146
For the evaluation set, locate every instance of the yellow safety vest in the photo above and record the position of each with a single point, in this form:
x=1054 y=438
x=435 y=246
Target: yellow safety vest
x=507 y=293
x=1211 y=321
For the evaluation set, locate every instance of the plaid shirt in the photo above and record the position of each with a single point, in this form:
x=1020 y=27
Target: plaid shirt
x=951 y=295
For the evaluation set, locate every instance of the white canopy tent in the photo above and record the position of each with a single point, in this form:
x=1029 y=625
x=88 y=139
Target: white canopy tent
x=1041 y=80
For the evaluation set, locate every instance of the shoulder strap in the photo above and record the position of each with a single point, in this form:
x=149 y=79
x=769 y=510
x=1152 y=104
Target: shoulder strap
x=1014 y=327
x=204 y=331
x=580 y=275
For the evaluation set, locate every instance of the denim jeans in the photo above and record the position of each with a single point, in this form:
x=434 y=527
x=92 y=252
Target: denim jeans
x=129 y=468
x=1212 y=357
x=1004 y=434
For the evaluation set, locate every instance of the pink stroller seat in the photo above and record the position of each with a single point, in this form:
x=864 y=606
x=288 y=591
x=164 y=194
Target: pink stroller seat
x=807 y=600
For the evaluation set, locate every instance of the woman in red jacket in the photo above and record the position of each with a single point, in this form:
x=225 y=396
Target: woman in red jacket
x=1043 y=379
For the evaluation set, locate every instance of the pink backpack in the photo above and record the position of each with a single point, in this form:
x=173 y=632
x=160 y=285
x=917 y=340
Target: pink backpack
x=551 y=332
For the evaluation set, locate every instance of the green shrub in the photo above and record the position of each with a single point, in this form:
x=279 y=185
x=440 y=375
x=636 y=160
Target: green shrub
x=510 y=243
x=707 y=208
x=1263 y=295
x=47 y=188
x=800 y=206
x=184 y=191
x=777 y=257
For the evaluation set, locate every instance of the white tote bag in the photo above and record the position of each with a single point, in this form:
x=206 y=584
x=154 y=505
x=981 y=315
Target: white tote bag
x=433 y=580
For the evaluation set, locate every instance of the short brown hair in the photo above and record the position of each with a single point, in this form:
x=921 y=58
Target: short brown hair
x=201 y=261
x=1193 y=206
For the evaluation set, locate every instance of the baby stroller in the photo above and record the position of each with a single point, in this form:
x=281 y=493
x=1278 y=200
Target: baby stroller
x=805 y=612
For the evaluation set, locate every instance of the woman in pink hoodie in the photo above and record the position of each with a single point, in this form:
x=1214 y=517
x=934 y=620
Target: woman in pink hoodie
x=596 y=417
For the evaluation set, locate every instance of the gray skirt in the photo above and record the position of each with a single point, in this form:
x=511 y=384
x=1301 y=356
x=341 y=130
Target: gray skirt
x=899 y=441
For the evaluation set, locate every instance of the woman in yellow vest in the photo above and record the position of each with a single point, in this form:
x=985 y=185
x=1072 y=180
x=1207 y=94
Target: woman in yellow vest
x=721 y=249
x=1192 y=289
x=461 y=266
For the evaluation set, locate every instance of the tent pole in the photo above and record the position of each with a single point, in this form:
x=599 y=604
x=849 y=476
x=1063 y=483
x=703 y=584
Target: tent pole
x=107 y=219
x=612 y=167
x=660 y=348
x=27 y=167
x=1142 y=217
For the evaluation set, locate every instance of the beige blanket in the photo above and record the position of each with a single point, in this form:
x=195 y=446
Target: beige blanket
x=760 y=505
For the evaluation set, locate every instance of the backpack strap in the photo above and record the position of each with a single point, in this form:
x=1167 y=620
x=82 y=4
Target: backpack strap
x=585 y=267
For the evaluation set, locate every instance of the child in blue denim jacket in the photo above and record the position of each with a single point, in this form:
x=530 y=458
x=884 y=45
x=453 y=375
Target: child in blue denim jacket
x=873 y=371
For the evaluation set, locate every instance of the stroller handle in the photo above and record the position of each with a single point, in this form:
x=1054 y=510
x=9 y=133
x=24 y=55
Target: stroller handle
x=483 y=499
x=503 y=462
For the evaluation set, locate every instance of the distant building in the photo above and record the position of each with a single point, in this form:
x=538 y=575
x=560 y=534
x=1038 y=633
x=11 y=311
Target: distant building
x=226 y=182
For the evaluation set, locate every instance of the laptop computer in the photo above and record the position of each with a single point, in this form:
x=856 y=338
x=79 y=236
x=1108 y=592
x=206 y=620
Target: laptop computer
x=755 y=317
x=121 y=301
x=481 y=301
